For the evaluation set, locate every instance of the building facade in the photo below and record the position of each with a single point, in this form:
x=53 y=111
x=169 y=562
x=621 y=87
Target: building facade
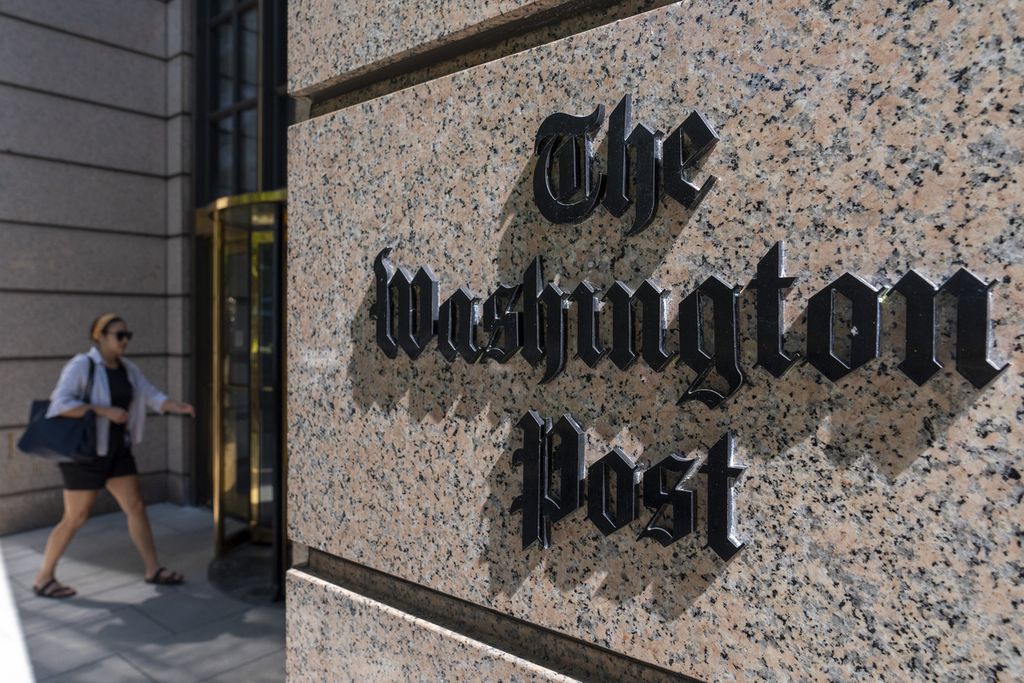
x=143 y=173
x=653 y=341
x=553 y=340
x=96 y=215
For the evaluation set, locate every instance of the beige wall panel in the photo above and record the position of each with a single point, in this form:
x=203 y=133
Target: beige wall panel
x=336 y=40
x=180 y=219
x=48 y=60
x=23 y=511
x=179 y=26
x=179 y=429
x=22 y=473
x=178 y=376
x=179 y=145
x=51 y=193
x=882 y=519
x=179 y=324
x=375 y=642
x=57 y=325
x=63 y=259
x=179 y=265
x=179 y=85
x=34 y=379
x=127 y=23
x=178 y=445
x=58 y=128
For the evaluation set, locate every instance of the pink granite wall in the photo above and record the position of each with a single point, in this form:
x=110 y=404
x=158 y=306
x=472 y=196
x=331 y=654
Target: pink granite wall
x=882 y=519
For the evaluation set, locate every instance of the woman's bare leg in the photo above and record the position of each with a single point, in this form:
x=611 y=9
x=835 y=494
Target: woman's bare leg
x=128 y=495
x=76 y=511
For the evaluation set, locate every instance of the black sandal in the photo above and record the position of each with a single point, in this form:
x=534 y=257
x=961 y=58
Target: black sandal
x=165 y=577
x=55 y=590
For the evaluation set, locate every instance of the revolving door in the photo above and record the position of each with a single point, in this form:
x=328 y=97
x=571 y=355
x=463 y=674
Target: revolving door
x=247 y=379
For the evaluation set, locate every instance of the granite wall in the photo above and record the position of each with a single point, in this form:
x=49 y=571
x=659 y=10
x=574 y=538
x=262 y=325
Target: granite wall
x=881 y=519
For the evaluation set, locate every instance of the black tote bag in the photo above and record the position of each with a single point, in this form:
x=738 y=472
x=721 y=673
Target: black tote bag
x=61 y=439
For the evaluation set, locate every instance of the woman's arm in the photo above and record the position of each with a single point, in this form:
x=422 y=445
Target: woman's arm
x=112 y=413
x=178 y=408
x=67 y=398
x=157 y=400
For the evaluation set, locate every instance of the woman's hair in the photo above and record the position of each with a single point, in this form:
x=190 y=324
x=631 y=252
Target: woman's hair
x=101 y=324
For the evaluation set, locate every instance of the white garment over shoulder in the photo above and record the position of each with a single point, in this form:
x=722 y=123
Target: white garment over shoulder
x=71 y=385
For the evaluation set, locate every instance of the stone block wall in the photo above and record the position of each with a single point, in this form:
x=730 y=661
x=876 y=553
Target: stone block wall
x=95 y=216
x=879 y=517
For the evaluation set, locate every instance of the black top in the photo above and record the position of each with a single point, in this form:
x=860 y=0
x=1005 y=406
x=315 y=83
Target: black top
x=120 y=397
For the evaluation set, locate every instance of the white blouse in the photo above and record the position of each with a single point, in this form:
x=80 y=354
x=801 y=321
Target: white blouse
x=71 y=385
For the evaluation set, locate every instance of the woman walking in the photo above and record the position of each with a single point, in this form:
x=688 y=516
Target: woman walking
x=120 y=395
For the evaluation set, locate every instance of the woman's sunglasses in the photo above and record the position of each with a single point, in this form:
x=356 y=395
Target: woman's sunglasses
x=122 y=335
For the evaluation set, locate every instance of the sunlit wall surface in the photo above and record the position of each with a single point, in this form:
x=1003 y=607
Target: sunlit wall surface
x=95 y=216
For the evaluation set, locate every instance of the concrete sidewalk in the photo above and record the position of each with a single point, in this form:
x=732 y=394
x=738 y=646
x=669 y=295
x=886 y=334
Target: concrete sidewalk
x=119 y=628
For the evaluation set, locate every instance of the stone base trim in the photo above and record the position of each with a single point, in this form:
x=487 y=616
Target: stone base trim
x=515 y=637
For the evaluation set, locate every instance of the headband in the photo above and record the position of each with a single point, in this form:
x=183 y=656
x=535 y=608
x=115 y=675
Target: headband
x=101 y=323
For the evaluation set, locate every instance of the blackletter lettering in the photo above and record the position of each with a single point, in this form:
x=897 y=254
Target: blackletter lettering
x=456 y=327
x=566 y=443
x=919 y=363
x=383 y=271
x=556 y=322
x=864 y=332
x=725 y=359
x=530 y=502
x=658 y=495
x=720 y=471
x=623 y=352
x=652 y=300
x=588 y=323
x=533 y=323
x=647 y=184
x=608 y=515
x=570 y=140
x=417 y=309
x=503 y=324
x=972 y=327
x=685 y=151
x=768 y=286
x=654 y=304
x=542 y=459
x=409 y=301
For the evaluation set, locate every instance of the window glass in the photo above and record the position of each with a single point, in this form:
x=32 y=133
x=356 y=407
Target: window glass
x=219 y=6
x=248 y=74
x=224 y=48
x=224 y=164
x=235 y=111
x=249 y=156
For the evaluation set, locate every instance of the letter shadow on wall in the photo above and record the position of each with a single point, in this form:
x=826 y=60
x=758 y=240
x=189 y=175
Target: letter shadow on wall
x=875 y=413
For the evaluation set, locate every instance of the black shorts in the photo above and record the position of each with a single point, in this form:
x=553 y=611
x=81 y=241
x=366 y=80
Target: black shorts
x=93 y=476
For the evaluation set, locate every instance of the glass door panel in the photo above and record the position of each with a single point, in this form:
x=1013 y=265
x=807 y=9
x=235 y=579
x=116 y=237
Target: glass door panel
x=235 y=428
x=249 y=467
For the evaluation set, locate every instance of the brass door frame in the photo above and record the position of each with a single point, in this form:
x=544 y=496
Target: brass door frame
x=213 y=218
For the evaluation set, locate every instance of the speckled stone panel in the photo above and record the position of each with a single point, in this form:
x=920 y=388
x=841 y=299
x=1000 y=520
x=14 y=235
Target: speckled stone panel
x=334 y=634
x=882 y=519
x=330 y=41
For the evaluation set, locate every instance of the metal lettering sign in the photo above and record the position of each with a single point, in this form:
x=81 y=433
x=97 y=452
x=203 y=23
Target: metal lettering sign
x=567 y=188
x=531 y=318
